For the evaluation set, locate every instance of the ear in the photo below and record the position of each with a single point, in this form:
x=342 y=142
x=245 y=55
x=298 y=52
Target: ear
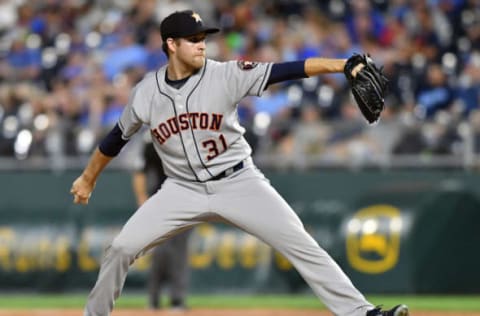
x=172 y=44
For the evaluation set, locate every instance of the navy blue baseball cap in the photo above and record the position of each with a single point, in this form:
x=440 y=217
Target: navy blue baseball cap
x=184 y=24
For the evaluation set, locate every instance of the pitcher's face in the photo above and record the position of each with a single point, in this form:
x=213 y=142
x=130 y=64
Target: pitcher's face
x=191 y=50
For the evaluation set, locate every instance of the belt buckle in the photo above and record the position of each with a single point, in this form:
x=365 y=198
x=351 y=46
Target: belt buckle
x=229 y=171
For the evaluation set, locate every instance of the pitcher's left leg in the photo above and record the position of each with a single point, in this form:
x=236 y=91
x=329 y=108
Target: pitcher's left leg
x=252 y=204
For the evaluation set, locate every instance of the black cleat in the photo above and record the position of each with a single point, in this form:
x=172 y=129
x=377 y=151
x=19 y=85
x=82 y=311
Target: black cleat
x=399 y=310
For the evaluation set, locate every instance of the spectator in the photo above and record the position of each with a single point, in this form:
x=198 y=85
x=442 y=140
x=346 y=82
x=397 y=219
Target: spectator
x=435 y=94
x=23 y=63
x=127 y=54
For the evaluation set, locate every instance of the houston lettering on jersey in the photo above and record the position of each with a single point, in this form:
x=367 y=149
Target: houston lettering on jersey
x=195 y=120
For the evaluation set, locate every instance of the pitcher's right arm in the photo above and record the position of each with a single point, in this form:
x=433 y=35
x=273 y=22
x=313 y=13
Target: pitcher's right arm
x=83 y=186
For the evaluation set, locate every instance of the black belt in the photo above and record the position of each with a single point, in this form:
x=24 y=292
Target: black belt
x=228 y=172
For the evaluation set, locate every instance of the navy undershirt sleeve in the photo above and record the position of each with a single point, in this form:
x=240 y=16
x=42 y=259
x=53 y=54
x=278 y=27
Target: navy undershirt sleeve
x=113 y=142
x=287 y=71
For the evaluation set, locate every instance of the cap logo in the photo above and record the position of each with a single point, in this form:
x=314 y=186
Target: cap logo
x=197 y=17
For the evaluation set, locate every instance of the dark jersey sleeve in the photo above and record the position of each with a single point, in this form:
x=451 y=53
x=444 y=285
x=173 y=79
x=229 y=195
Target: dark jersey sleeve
x=113 y=142
x=287 y=71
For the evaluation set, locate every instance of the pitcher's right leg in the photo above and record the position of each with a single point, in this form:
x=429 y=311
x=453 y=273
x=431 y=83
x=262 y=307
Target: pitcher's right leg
x=113 y=270
x=166 y=213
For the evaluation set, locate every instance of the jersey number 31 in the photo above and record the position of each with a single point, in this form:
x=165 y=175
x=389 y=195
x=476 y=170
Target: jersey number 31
x=212 y=147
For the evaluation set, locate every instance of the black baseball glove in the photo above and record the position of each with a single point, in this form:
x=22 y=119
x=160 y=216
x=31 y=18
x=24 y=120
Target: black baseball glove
x=369 y=86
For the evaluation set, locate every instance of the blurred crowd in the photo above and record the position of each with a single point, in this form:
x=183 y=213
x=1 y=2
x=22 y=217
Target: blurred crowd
x=67 y=66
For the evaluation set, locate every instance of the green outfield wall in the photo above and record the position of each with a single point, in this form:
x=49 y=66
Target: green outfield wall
x=391 y=231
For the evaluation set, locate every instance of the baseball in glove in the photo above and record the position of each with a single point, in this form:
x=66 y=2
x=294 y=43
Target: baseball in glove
x=369 y=86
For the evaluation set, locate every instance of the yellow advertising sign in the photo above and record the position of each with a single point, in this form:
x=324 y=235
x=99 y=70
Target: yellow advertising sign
x=373 y=239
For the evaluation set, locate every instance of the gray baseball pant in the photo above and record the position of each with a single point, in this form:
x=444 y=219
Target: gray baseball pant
x=245 y=199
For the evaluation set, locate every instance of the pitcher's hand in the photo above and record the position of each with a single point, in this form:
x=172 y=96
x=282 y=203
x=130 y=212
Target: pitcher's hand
x=82 y=190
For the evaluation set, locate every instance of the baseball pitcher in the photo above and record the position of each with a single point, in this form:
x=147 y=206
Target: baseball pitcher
x=190 y=106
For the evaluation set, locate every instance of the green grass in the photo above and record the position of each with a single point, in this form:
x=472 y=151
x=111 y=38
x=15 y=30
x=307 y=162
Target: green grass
x=421 y=302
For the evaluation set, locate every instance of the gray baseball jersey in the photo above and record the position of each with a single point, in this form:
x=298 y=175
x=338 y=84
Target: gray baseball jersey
x=197 y=135
x=195 y=129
